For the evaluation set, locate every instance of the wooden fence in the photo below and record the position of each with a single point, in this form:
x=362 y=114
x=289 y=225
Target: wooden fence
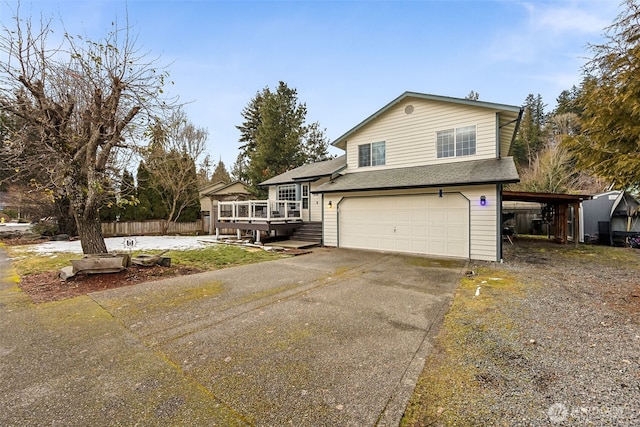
x=150 y=228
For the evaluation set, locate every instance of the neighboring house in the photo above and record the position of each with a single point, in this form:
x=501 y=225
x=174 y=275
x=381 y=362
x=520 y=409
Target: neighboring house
x=422 y=175
x=609 y=218
x=220 y=191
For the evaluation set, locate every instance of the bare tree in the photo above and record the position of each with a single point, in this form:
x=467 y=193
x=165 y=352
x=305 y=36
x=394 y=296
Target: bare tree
x=552 y=168
x=171 y=163
x=80 y=105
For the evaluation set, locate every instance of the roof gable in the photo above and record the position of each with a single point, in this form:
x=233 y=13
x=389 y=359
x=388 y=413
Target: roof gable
x=221 y=188
x=509 y=116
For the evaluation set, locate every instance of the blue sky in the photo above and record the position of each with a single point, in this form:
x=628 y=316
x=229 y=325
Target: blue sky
x=346 y=59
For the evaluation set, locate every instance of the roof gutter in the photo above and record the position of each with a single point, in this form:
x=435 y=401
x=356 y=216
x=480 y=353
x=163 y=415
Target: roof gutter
x=409 y=187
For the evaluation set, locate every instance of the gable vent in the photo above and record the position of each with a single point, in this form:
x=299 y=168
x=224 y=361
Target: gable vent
x=408 y=109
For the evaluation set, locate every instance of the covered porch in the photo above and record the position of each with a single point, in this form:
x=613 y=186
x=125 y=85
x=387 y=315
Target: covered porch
x=259 y=215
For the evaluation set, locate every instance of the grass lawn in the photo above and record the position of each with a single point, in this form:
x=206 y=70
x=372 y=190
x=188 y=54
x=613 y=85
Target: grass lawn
x=209 y=258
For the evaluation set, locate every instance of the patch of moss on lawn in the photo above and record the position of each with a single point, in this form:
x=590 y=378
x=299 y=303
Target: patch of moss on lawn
x=435 y=262
x=459 y=384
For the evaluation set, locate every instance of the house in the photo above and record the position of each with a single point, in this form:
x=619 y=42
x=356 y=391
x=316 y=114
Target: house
x=609 y=218
x=423 y=175
x=219 y=191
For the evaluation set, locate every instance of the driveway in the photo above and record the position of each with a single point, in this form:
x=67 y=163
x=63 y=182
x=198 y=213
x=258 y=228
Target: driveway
x=335 y=337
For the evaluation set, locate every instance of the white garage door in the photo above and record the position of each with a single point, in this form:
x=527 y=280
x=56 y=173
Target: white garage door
x=425 y=224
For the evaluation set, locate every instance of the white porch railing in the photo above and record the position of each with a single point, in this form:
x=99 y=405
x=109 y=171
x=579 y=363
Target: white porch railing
x=259 y=210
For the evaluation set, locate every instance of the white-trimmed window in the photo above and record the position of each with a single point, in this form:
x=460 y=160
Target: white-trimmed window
x=288 y=192
x=373 y=154
x=456 y=142
x=305 y=196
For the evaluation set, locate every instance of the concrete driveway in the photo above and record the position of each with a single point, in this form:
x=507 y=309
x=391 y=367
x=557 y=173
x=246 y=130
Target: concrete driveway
x=336 y=337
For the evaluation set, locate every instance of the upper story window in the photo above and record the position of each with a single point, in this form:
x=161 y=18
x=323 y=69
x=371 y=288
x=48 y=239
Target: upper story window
x=456 y=142
x=373 y=154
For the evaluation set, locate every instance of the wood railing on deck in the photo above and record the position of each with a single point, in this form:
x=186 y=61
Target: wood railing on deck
x=259 y=210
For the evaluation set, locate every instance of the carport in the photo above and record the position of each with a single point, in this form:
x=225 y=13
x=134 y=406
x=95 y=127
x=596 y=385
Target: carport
x=561 y=211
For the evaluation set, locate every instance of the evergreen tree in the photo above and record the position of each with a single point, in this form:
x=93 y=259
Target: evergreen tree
x=204 y=172
x=610 y=98
x=316 y=144
x=239 y=170
x=567 y=102
x=473 y=96
x=128 y=196
x=170 y=162
x=248 y=133
x=220 y=174
x=149 y=202
x=275 y=137
x=530 y=139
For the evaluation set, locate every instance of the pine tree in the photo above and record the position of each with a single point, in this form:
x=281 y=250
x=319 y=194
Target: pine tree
x=149 y=203
x=530 y=139
x=567 y=102
x=275 y=137
x=220 y=174
x=610 y=98
x=128 y=197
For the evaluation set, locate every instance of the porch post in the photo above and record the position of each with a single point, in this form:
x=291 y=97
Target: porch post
x=239 y=235
x=576 y=223
x=258 y=236
x=212 y=216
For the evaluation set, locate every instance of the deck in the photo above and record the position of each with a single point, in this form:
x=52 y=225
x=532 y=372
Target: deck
x=259 y=215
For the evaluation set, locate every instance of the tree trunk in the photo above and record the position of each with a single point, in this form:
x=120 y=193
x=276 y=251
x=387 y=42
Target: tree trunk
x=90 y=231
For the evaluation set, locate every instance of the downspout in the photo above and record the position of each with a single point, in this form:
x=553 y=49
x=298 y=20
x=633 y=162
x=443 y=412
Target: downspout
x=499 y=225
x=321 y=215
x=497 y=135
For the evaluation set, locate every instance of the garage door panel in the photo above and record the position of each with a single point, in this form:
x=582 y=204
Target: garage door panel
x=424 y=224
x=456 y=234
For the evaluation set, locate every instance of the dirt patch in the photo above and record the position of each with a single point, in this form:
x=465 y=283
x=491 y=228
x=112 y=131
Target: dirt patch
x=47 y=287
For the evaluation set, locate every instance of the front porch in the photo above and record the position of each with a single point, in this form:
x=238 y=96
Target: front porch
x=259 y=215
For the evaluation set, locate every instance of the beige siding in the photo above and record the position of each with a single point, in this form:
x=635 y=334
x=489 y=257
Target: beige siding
x=411 y=138
x=205 y=204
x=483 y=222
x=330 y=220
x=273 y=192
x=483 y=237
x=315 y=201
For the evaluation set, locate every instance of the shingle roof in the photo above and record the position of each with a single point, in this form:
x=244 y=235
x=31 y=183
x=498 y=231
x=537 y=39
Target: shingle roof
x=488 y=171
x=309 y=172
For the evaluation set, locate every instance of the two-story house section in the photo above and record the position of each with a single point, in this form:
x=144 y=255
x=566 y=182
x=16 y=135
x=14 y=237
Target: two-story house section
x=423 y=175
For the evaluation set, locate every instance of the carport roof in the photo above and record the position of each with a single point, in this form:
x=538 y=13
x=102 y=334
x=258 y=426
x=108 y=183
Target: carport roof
x=473 y=172
x=549 y=198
